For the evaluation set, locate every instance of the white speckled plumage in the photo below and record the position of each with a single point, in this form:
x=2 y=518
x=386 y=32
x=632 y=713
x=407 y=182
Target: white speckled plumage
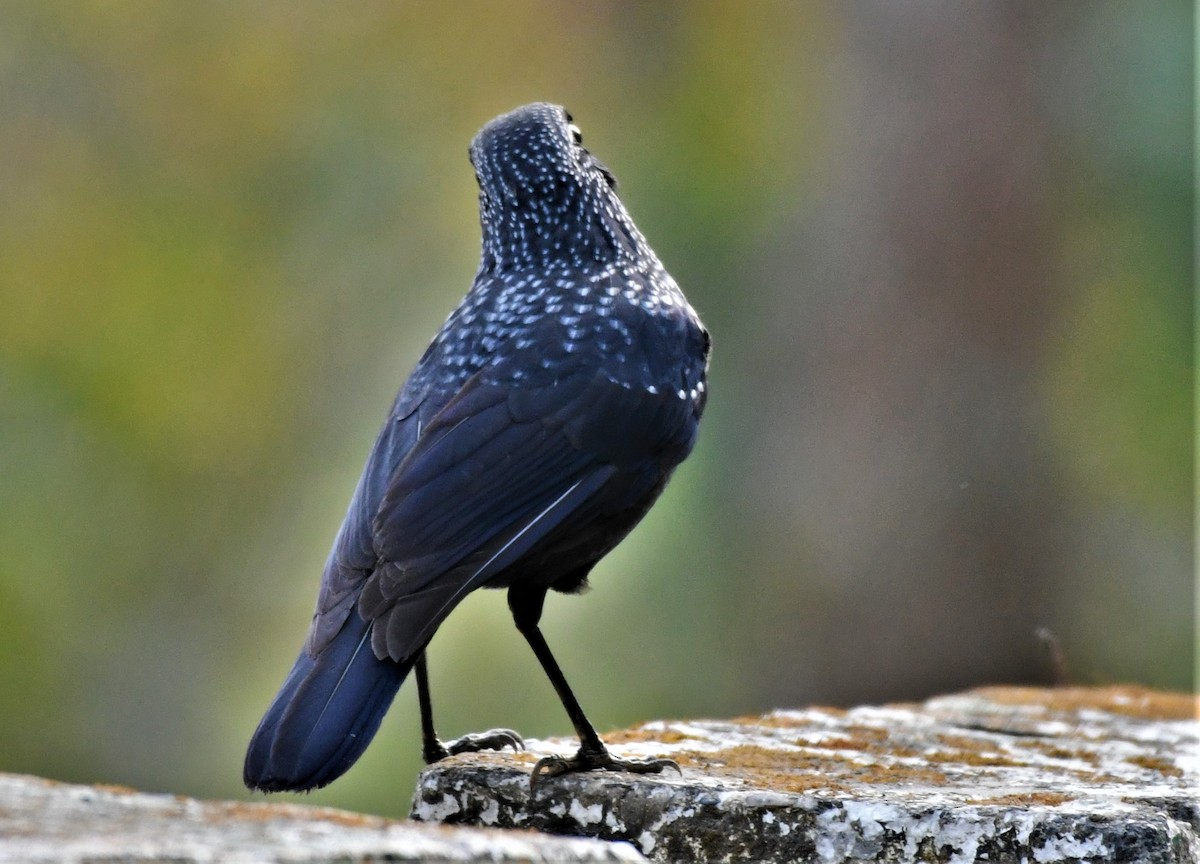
x=557 y=243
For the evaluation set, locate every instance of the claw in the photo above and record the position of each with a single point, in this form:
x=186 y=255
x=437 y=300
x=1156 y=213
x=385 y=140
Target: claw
x=590 y=760
x=493 y=739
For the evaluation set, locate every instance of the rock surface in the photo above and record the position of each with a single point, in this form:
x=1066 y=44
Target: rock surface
x=998 y=775
x=42 y=822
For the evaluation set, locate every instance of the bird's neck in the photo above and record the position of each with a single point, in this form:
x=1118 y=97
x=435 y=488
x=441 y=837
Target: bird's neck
x=565 y=233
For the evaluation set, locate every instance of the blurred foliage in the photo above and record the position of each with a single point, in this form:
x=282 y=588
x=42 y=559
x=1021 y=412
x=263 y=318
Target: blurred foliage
x=946 y=259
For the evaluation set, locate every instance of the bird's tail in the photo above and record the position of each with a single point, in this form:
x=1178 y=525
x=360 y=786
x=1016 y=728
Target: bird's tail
x=325 y=715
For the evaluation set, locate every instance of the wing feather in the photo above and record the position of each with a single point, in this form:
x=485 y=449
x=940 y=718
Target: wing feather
x=465 y=487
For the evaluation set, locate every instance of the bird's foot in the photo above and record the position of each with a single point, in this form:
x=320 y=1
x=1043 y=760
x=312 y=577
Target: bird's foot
x=493 y=739
x=596 y=760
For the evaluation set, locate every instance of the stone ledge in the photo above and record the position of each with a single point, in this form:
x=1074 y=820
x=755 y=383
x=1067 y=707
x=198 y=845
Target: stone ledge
x=998 y=774
x=43 y=822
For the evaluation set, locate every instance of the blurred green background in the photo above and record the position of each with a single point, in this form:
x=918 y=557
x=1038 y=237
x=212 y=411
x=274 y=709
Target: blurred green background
x=944 y=251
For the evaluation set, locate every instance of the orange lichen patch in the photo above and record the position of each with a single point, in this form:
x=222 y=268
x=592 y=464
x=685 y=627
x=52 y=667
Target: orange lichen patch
x=850 y=738
x=250 y=812
x=641 y=733
x=963 y=742
x=1154 y=763
x=754 y=758
x=896 y=774
x=896 y=751
x=868 y=733
x=1045 y=799
x=1103 y=778
x=832 y=710
x=789 y=721
x=1129 y=700
x=499 y=758
x=837 y=743
x=1057 y=751
x=114 y=789
x=963 y=750
x=976 y=758
x=773 y=721
x=801 y=771
x=781 y=770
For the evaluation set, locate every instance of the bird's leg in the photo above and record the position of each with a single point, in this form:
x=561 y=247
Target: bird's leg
x=432 y=749
x=526 y=606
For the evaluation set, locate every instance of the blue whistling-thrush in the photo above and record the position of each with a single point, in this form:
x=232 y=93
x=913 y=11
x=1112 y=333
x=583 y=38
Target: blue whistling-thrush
x=534 y=433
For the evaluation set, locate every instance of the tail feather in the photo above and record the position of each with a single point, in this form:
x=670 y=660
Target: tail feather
x=325 y=715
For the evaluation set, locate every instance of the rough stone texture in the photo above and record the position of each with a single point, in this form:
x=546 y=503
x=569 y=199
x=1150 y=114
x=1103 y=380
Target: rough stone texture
x=42 y=822
x=998 y=775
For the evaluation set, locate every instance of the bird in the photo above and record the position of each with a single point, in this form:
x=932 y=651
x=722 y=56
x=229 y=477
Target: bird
x=536 y=430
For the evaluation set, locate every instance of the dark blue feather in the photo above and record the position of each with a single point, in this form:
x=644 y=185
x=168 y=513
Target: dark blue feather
x=325 y=714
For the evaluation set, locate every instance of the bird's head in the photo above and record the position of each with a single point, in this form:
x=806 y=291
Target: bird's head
x=543 y=197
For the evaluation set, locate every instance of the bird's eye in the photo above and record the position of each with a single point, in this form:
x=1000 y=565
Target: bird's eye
x=575 y=133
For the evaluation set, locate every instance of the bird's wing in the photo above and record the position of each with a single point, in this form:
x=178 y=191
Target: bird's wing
x=498 y=469
x=353 y=557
